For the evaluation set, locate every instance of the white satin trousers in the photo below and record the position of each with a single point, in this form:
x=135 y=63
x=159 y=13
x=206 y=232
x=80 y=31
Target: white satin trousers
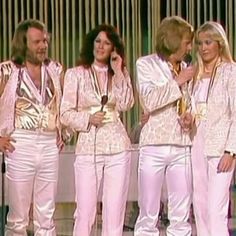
x=157 y=164
x=210 y=190
x=113 y=171
x=32 y=173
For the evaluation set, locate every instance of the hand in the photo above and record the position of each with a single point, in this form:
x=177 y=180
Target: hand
x=6 y=145
x=60 y=143
x=116 y=62
x=186 y=121
x=144 y=118
x=97 y=118
x=226 y=163
x=185 y=75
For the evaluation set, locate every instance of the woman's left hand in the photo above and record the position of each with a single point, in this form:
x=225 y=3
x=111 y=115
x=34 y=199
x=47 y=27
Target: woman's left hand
x=60 y=143
x=116 y=62
x=226 y=163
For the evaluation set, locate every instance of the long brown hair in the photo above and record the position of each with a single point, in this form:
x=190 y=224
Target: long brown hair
x=86 y=54
x=19 y=42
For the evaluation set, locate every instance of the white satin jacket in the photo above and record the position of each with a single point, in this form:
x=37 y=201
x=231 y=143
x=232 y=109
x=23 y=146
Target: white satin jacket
x=220 y=111
x=159 y=93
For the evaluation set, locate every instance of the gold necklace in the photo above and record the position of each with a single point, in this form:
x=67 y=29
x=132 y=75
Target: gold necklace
x=212 y=66
x=212 y=77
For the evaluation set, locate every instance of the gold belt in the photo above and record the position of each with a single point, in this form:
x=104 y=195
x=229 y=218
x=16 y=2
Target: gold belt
x=36 y=129
x=110 y=114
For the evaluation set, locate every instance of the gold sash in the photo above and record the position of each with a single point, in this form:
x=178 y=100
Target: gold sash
x=111 y=115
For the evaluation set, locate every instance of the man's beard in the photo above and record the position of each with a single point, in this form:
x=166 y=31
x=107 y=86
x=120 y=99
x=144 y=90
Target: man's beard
x=32 y=58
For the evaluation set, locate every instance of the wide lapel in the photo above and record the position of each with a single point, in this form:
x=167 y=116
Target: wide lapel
x=94 y=82
x=30 y=87
x=55 y=72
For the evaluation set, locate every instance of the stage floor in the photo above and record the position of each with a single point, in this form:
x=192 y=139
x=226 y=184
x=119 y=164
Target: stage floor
x=65 y=205
x=64 y=219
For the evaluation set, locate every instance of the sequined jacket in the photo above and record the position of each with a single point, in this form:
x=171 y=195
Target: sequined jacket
x=81 y=98
x=221 y=111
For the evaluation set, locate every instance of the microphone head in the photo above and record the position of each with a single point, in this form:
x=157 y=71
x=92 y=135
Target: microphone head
x=47 y=61
x=104 y=100
x=188 y=59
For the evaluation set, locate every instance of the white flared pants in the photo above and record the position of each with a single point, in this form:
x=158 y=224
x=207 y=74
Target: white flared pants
x=157 y=163
x=32 y=173
x=210 y=191
x=114 y=170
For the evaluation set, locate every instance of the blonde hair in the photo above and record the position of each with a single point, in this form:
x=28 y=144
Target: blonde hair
x=170 y=34
x=216 y=33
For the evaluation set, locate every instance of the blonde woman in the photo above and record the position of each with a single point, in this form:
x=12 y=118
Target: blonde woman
x=214 y=144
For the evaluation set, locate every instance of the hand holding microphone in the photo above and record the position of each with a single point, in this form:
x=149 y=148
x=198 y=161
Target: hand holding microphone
x=188 y=59
x=187 y=73
x=182 y=80
x=104 y=101
x=97 y=118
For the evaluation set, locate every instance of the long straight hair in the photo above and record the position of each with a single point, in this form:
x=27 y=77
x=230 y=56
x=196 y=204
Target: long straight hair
x=19 y=42
x=216 y=33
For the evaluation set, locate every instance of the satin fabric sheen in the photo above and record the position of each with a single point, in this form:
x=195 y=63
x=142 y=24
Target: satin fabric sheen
x=32 y=172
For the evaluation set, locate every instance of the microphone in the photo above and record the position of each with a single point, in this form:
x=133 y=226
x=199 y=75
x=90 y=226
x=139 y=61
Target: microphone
x=104 y=101
x=182 y=103
x=188 y=59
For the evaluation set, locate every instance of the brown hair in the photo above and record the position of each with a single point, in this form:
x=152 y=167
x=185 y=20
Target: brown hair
x=19 y=42
x=86 y=54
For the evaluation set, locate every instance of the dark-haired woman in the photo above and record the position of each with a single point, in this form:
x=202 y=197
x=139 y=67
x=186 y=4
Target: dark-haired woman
x=95 y=93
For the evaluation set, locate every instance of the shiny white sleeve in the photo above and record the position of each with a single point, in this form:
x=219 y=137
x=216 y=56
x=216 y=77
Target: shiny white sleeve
x=155 y=89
